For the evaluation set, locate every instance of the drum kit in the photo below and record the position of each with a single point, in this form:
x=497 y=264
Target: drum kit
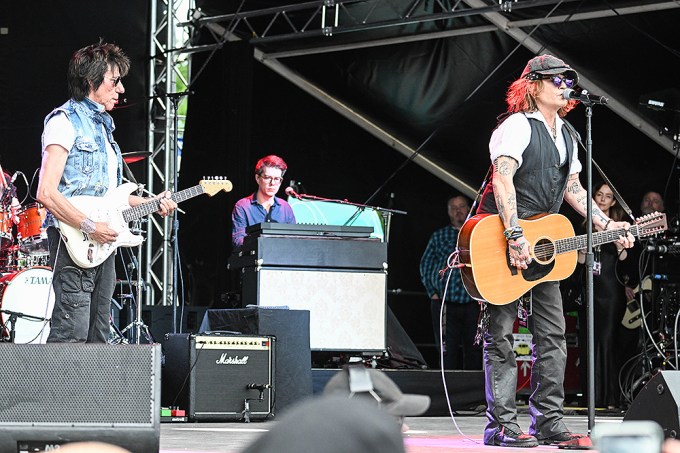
x=26 y=295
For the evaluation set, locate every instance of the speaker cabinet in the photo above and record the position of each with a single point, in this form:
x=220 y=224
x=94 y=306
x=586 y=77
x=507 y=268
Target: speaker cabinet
x=659 y=401
x=209 y=376
x=57 y=393
x=293 y=363
x=346 y=307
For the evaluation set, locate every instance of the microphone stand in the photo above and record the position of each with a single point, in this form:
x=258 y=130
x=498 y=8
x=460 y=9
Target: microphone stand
x=138 y=322
x=14 y=317
x=589 y=269
x=174 y=99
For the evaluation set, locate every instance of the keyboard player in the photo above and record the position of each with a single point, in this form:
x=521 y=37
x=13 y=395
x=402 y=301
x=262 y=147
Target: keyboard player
x=263 y=205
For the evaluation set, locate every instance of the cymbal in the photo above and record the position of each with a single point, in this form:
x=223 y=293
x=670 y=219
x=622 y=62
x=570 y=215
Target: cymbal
x=134 y=156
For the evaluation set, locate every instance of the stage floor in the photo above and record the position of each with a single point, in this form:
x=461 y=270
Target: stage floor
x=425 y=434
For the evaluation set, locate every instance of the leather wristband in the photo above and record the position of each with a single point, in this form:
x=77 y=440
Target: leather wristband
x=513 y=233
x=88 y=226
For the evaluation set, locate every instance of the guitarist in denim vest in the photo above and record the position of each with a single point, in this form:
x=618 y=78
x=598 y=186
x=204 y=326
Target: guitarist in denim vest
x=535 y=168
x=80 y=157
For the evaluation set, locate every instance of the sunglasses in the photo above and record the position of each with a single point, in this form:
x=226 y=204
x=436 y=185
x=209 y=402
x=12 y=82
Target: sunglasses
x=557 y=80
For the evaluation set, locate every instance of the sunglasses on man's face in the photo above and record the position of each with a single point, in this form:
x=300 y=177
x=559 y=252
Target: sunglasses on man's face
x=558 y=79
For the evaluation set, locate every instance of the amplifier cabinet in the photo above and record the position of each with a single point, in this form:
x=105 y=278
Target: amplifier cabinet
x=347 y=309
x=209 y=376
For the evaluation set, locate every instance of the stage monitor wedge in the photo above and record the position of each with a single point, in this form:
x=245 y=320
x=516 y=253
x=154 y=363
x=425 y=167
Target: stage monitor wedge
x=53 y=394
x=659 y=401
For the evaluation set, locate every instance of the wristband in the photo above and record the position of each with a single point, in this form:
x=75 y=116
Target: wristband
x=513 y=233
x=606 y=224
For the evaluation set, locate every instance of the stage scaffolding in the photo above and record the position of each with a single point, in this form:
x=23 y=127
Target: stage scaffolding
x=166 y=76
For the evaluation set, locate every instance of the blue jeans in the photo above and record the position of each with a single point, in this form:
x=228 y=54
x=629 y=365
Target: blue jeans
x=82 y=297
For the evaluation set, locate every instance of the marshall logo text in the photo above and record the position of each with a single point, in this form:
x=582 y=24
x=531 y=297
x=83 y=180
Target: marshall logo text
x=224 y=360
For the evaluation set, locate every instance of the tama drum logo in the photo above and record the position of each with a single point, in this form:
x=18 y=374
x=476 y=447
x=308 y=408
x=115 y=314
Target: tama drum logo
x=38 y=280
x=228 y=360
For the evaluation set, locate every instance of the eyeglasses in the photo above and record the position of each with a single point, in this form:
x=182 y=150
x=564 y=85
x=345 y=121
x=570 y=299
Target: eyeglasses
x=558 y=79
x=271 y=179
x=115 y=80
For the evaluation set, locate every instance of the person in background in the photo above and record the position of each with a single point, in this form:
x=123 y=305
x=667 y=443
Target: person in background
x=80 y=157
x=461 y=312
x=651 y=202
x=263 y=205
x=609 y=305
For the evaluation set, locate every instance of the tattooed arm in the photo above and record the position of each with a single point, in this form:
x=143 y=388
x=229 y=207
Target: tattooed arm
x=504 y=169
x=576 y=196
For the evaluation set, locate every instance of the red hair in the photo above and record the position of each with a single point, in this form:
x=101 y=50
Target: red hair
x=521 y=97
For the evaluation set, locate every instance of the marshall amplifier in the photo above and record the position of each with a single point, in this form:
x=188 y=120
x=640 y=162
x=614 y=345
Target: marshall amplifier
x=219 y=377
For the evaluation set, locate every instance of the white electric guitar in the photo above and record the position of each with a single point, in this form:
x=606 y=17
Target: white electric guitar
x=115 y=210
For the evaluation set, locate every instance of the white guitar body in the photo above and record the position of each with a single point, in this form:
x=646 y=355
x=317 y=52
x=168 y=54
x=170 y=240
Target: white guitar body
x=85 y=251
x=115 y=210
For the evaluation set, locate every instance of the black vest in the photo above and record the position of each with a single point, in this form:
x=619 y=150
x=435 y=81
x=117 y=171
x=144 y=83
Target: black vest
x=540 y=181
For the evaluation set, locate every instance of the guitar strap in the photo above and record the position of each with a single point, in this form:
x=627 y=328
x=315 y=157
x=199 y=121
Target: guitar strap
x=575 y=135
x=480 y=192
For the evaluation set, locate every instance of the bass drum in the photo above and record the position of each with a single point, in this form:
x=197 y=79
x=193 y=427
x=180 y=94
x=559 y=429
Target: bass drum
x=28 y=292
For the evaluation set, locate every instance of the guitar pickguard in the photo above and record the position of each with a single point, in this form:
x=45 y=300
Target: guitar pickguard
x=536 y=271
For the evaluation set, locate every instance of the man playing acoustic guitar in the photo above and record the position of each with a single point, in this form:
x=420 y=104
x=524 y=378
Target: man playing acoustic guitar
x=535 y=168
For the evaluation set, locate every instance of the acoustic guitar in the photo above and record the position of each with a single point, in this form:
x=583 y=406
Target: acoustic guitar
x=485 y=261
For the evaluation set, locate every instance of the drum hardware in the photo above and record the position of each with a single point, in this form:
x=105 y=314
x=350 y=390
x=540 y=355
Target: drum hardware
x=137 y=326
x=116 y=336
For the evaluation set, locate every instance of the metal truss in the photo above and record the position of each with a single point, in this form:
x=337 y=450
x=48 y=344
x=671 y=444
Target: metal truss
x=288 y=25
x=333 y=17
x=165 y=74
x=272 y=31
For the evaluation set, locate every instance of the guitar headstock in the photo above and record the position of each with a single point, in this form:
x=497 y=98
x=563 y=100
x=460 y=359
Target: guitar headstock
x=652 y=223
x=213 y=184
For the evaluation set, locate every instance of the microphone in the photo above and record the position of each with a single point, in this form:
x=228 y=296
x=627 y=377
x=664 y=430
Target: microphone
x=14 y=177
x=258 y=386
x=292 y=193
x=672 y=248
x=584 y=97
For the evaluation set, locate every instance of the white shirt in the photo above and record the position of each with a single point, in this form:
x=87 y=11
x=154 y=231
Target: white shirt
x=512 y=137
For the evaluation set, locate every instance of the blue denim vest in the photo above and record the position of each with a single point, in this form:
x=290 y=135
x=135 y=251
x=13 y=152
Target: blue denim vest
x=86 y=168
